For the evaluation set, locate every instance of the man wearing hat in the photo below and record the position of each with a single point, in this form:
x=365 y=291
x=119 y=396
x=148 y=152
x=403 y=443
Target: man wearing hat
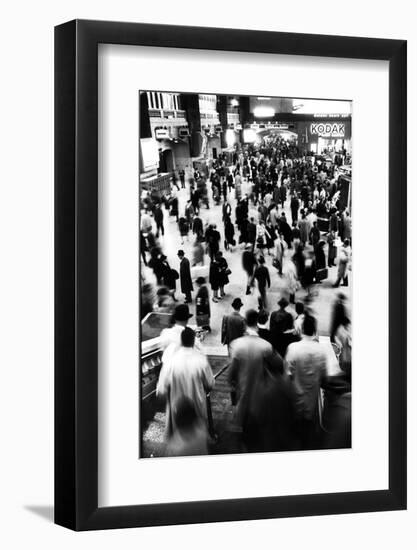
x=185 y=276
x=172 y=335
x=280 y=321
x=233 y=325
x=170 y=338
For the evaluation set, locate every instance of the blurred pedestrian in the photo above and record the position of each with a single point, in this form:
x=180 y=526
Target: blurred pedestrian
x=249 y=262
x=190 y=437
x=233 y=324
x=186 y=374
x=306 y=363
x=249 y=354
x=262 y=325
x=202 y=304
x=344 y=264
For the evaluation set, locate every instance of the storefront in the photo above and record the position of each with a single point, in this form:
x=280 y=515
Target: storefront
x=325 y=135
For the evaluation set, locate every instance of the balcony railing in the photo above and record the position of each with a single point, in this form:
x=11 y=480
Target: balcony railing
x=167 y=113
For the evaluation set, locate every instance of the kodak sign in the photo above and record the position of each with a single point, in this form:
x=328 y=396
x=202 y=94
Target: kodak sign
x=329 y=129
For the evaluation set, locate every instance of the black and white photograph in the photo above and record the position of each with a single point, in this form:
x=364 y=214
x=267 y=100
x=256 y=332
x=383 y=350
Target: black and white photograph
x=245 y=219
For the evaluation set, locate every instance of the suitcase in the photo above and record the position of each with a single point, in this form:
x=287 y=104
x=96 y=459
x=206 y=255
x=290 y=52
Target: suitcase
x=322 y=274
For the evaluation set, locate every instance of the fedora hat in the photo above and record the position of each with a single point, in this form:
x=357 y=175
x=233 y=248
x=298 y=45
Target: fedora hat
x=237 y=303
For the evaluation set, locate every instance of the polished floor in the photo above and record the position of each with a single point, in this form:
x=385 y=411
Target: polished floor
x=324 y=294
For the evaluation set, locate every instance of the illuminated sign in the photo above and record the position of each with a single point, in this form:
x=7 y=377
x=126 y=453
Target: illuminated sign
x=162 y=133
x=329 y=129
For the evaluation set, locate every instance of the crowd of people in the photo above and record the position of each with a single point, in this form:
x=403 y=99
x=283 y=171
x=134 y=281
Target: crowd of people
x=277 y=365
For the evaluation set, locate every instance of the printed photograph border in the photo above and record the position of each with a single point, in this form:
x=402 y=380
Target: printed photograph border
x=76 y=274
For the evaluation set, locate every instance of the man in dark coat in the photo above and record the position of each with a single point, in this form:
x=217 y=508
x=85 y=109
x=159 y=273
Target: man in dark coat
x=212 y=237
x=185 y=276
x=314 y=235
x=285 y=229
x=334 y=222
x=248 y=263
x=253 y=360
x=263 y=278
x=295 y=205
x=233 y=325
x=280 y=321
x=337 y=316
x=251 y=231
x=283 y=194
x=159 y=219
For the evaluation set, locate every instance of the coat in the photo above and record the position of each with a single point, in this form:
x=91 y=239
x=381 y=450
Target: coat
x=262 y=276
x=202 y=302
x=168 y=276
x=344 y=261
x=185 y=276
x=214 y=275
x=185 y=373
x=280 y=321
x=304 y=227
x=233 y=326
x=223 y=266
x=249 y=353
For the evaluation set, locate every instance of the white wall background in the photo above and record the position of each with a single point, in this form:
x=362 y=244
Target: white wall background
x=26 y=273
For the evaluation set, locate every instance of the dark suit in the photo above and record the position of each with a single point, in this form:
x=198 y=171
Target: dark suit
x=262 y=276
x=250 y=355
x=233 y=326
x=265 y=334
x=185 y=279
x=280 y=321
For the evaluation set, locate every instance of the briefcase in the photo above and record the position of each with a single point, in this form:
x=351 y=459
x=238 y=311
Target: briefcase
x=322 y=274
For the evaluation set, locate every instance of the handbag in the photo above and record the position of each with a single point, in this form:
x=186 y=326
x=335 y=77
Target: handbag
x=175 y=274
x=228 y=271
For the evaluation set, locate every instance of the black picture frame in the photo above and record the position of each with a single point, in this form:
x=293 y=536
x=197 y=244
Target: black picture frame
x=76 y=272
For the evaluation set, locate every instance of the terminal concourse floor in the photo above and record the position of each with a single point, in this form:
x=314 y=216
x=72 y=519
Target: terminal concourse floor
x=321 y=303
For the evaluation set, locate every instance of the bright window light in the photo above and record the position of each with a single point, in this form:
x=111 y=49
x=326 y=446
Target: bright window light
x=263 y=112
x=249 y=135
x=230 y=138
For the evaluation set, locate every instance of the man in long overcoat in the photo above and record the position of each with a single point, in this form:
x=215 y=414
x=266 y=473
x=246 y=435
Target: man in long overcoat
x=185 y=276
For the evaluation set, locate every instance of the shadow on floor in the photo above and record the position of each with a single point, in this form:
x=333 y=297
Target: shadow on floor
x=45 y=512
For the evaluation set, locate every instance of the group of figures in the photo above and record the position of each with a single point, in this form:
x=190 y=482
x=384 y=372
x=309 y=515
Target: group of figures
x=275 y=376
x=260 y=189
